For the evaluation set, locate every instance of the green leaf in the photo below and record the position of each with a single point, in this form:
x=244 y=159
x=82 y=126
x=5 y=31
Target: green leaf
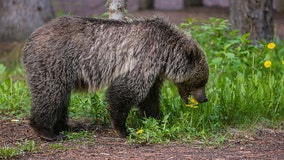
x=2 y=69
x=190 y=21
x=244 y=38
x=230 y=55
x=217 y=60
x=183 y=25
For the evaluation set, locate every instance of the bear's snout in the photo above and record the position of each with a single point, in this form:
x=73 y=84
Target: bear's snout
x=205 y=100
x=200 y=95
x=200 y=99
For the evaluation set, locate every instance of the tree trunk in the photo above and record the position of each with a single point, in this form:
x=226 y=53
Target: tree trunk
x=254 y=17
x=116 y=9
x=19 y=18
x=188 y=3
x=279 y=5
x=145 y=4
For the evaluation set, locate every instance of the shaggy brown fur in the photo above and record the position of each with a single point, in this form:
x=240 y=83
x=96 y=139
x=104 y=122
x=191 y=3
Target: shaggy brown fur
x=132 y=58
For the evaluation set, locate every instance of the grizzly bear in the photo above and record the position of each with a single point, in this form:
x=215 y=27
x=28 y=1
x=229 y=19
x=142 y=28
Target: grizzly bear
x=132 y=58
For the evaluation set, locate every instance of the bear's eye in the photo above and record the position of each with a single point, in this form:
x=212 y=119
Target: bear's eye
x=202 y=83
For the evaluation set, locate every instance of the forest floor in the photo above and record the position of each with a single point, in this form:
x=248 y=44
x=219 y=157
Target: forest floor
x=100 y=143
x=257 y=143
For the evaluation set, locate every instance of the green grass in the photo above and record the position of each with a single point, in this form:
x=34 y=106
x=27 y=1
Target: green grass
x=57 y=146
x=242 y=92
x=14 y=99
x=7 y=152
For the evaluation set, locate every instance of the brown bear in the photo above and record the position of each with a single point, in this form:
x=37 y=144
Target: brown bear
x=131 y=58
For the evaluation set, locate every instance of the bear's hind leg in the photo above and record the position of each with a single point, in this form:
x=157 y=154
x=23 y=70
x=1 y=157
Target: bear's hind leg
x=49 y=111
x=61 y=123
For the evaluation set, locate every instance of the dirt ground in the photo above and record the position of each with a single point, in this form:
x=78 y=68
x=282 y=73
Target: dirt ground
x=102 y=144
x=261 y=143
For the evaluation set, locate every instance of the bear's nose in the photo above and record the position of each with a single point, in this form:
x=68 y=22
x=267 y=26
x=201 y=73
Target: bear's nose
x=205 y=100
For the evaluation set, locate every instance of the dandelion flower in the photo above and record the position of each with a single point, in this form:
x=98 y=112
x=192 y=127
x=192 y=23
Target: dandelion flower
x=191 y=106
x=283 y=62
x=140 y=131
x=271 y=45
x=267 y=64
x=192 y=103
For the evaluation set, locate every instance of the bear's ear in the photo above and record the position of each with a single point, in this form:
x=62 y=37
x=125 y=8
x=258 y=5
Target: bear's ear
x=193 y=53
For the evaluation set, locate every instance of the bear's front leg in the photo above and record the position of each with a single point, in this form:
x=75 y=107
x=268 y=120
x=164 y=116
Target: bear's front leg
x=150 y=106
x=118 y=120
x=119 y=108
x=120 y=97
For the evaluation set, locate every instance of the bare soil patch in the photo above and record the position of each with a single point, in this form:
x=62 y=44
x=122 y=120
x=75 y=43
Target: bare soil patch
x=102 y=144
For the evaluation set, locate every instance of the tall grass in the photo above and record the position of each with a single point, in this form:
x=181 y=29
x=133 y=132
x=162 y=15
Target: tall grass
x=242 y=91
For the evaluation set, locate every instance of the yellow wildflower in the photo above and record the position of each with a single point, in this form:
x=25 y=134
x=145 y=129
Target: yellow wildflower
x=191 y=106
x=283 y=62
x=267 y=64
x=140 y=131
x=271 y=45
x=192 y=100
x=192 y=103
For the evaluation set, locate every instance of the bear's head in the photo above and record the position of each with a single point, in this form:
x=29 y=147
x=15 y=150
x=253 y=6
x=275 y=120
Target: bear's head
x=195 y=85
x=197 y=74
x=186 y=89
x=189 y=70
